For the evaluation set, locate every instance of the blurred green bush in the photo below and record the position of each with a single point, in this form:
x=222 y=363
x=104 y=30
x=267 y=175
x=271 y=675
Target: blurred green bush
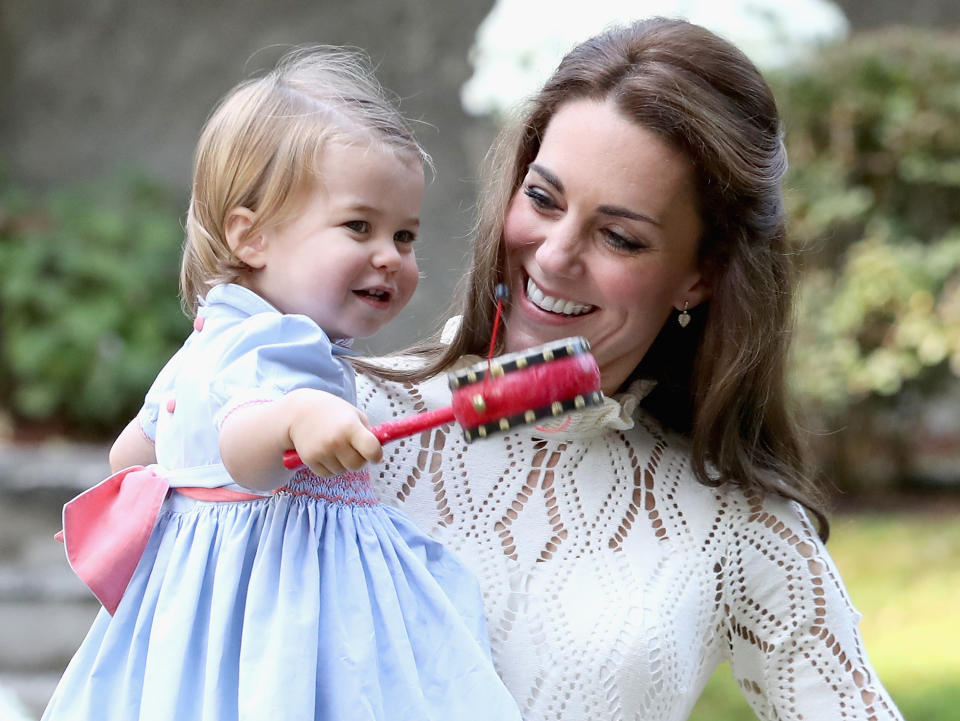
x=873 y=194
x=88 y=302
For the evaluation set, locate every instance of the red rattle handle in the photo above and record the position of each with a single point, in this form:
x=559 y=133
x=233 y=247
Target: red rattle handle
x=391 y=430
x=507 y=391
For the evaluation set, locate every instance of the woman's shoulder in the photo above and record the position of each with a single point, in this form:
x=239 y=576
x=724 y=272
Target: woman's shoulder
x=766 y=535
x=731 y=511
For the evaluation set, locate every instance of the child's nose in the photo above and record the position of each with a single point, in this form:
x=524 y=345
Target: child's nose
x=386 y=255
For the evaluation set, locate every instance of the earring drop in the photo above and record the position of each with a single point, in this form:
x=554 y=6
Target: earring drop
x=684 y=318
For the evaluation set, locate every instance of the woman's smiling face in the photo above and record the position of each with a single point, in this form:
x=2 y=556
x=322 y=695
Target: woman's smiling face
x=601 y=238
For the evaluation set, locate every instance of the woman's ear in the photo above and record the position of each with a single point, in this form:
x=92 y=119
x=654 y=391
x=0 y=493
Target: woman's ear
x=248 y=248
x=695 y=293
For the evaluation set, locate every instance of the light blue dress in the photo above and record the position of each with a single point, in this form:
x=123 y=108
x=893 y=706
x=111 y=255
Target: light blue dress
x=313 y=602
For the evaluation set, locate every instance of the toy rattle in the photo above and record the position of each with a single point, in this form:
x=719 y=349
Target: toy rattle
x=510 y=390
x=500 y=393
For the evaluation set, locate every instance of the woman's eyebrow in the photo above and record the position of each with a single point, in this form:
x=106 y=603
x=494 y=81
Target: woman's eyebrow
x=614 y=210
x=548 y=176
x=619 y=212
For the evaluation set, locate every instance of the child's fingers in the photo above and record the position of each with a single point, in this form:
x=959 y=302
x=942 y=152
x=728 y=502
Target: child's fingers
x=350 y=459
x=323 y=471
x=333 y=437
x=368 y=446
x=362 y=448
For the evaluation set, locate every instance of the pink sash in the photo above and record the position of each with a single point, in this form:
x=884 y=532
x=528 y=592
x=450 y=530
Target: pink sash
x=106 y=528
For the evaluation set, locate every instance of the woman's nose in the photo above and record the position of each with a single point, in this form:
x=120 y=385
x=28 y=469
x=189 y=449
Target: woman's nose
x=560 y=250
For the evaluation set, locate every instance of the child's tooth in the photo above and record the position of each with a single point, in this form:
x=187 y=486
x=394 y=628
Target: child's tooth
x=569 y=307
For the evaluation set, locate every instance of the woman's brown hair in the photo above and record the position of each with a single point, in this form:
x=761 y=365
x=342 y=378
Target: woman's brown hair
x=722 y=379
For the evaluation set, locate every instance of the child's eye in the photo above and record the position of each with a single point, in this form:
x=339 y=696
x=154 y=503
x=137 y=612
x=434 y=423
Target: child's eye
x=404 y=236
x=358 y=226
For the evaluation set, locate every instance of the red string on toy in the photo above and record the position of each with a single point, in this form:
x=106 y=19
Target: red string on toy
x=501 y=292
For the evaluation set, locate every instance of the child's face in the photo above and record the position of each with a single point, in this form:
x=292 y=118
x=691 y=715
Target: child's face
x=347 y=259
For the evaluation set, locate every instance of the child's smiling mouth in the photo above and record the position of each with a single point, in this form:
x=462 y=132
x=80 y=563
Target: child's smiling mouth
x=379 y=296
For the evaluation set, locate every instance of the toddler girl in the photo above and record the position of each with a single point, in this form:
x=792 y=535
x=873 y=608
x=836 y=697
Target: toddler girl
x=233 y=588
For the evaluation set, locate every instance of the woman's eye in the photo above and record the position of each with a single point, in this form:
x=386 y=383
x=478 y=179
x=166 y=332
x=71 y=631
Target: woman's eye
x=538 y=197
x=358 y=226
x=622 y=243
x=404 y=236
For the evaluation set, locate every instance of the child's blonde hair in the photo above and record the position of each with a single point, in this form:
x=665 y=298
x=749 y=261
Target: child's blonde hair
x=261 y=147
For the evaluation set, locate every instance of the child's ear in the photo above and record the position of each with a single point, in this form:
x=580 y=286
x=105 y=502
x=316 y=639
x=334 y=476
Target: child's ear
x=248 y=248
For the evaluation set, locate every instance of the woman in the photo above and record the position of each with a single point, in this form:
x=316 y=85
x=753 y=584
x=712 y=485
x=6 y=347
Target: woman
x=627 y=550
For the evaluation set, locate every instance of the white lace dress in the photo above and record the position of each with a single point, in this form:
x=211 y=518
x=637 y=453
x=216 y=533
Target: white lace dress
x=614 y=582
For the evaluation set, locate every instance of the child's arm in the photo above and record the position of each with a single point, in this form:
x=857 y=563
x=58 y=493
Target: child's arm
x=330 y=435
x=131 y=448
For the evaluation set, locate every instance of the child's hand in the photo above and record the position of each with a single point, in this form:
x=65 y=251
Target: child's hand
x=331 y=436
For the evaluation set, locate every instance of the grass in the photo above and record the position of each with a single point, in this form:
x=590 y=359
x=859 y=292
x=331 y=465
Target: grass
x=902 y=570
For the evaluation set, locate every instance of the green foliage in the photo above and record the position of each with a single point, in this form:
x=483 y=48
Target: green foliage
x=873 y=134
x=88 y=301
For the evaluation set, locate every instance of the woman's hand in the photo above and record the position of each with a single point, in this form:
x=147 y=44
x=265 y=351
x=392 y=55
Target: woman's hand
x=330 y=435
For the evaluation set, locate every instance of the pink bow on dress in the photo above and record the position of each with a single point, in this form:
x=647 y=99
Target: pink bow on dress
x=106 y=528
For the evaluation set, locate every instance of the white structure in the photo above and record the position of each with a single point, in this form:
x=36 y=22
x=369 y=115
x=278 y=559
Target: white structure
x=10 y=707
x=520 y=42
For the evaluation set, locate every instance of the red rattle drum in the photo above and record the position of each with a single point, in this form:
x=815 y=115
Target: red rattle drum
x=495 y=395
x=518 y=388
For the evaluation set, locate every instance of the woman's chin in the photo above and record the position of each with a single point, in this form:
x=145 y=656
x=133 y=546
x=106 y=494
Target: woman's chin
x=521 y=338
x=529 y=325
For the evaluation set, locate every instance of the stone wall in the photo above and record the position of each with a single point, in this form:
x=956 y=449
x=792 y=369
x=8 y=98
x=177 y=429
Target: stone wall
x=45 y=610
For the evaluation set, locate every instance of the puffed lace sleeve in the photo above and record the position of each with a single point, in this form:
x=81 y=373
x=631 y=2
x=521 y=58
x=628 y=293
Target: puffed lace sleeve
x=273 y=355
x=793 y=642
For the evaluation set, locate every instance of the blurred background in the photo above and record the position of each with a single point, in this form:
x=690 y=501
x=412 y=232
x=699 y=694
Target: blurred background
x=101 y=103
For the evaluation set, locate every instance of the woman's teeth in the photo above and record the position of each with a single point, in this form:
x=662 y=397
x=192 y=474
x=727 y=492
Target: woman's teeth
x=554 y=305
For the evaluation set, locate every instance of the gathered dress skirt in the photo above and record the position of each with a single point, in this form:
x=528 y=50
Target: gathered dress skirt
x=315 y=603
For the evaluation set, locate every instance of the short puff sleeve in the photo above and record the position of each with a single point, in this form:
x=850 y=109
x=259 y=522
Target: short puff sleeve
x=273 y=354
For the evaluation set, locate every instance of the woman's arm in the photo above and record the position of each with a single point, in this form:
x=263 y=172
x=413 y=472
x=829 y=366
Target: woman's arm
x=795 y=648
x=132 y=448
x=330 y=435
